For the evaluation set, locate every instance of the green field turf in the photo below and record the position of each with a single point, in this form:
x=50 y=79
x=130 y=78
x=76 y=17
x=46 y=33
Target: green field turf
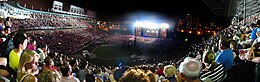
x=113 y=51
x=111 y=55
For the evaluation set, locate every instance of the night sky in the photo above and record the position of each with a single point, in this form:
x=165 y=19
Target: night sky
x=120 y=9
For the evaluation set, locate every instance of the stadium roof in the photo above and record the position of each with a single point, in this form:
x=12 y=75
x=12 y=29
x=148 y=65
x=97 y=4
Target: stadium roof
x=223 y=8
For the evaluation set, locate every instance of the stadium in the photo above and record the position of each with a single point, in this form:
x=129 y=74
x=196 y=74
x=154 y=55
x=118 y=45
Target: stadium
x=55 y=41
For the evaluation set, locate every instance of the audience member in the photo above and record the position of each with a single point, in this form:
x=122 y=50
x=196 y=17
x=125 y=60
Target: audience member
x=20 y=44
x=49 y=76
x=32 y=45
x=254 y=56
x=67 y=76
x=257 y=36
x=7 y=22
x=75 y=69
x=190 y=69
x=160 y=69
x=49 y=65
x=133 y=75
x=254 y=31
x=10 y=44
x=4 y=74
x=4 y=40
x=42 y=51
x=226 y=56
x=213 y=70
x=82 y=71
x=169 y=72
x=27 y=68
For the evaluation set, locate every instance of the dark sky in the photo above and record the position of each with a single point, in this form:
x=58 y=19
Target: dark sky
x=119 y=9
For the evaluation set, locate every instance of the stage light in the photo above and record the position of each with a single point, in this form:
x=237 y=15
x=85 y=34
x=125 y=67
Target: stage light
x=138 y=24
x=186 y=39
x=164 y=25
x=198 y=33
x=151 y=25
x=190 y=31
x=98 y=22
x=214 y=33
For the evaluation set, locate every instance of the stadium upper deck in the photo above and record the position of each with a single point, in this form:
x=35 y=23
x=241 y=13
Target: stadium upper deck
x=36 y=19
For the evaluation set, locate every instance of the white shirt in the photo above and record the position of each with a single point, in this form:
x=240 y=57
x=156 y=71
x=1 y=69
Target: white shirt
x=69 y=79
x=256 y=40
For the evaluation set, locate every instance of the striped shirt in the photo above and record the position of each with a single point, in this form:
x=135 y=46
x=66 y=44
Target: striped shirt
x=216 y=75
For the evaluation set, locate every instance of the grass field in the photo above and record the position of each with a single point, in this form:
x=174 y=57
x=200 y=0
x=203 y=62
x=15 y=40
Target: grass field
x=111 y=55
x=113 y=51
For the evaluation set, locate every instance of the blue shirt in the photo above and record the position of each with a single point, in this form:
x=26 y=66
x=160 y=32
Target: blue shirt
x=253 y=33
x=225 y=57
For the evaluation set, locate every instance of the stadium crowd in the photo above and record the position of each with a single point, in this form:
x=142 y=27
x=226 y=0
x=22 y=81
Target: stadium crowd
x=120 y=39
x=62 y=40
x=43 y=55
x=40 y=21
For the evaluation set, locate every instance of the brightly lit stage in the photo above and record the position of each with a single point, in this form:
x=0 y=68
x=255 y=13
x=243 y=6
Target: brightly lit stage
x=152 y=30
x=149 y=32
